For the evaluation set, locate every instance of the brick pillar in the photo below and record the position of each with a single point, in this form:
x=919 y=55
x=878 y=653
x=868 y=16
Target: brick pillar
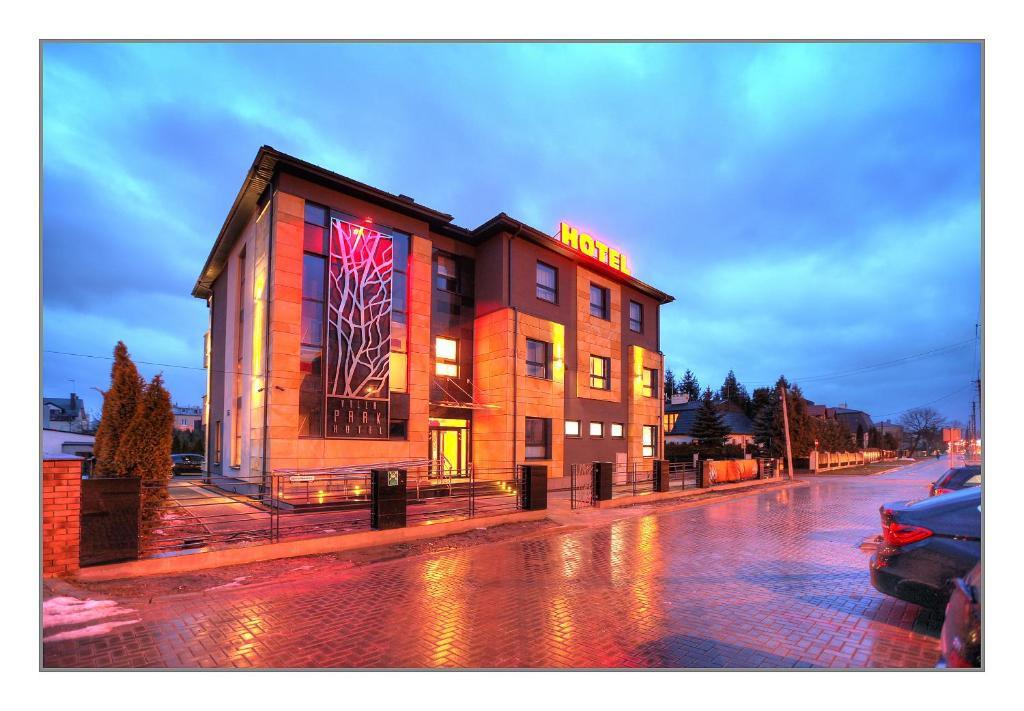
x=62 y=500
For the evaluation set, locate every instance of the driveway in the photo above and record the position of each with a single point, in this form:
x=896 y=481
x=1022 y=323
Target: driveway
x=777 y=578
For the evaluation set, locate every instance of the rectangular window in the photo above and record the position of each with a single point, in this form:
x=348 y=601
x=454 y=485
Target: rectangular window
x=314 y=231
x=617 y=430
x=538 y=438
x=311 y=344
x=399 y=367
x=398 y=429
x=446 y=357
x=600 y=373
x=670 y=421
x=447 y=277
x=547 y=283
x=597 y=429
x=236 y=418
x=636 y=317
x=218 y=442
x=538 y=359
x=236 y=434
x=600 y=299
x=650 y=441
x=649 y=384
x=572 y=428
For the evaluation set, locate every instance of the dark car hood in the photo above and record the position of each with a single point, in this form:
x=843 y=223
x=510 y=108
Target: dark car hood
x=954 y=514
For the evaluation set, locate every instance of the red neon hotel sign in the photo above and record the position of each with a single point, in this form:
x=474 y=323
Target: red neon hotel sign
x=595 y=249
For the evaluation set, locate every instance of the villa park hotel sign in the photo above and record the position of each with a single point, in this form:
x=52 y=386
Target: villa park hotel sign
x=595 y=249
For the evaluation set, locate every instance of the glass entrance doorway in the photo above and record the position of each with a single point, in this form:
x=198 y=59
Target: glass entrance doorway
x=449 y=448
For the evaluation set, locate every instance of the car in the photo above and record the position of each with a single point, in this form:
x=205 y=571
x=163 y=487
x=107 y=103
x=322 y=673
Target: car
x=926 y=545
x=956 y=479
x=960 y=641
x=185 y=463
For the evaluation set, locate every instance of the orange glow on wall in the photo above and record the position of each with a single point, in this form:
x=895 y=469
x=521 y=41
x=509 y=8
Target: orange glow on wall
x=558 y=352
x=593 y=248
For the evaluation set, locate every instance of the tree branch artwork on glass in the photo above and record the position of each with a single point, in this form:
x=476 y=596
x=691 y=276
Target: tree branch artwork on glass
x=359 y=312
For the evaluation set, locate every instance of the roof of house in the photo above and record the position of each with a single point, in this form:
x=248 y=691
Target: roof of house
x=737 y=422
x=64 y=403
x=269 y=161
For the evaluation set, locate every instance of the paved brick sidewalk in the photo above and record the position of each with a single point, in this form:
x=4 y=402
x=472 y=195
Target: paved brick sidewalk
x=770 y=579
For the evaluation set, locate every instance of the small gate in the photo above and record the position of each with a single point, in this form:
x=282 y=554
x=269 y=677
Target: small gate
x=581 y=485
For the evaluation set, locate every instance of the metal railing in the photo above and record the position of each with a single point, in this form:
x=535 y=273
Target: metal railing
x=581 y=486
x=682 y=475
x=482 y=492
x=632 y=479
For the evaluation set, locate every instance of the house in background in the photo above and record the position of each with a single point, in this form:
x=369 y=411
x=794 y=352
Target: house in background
x=64 y=414
x=851 y=418
x=681 y=413
x=187 y=418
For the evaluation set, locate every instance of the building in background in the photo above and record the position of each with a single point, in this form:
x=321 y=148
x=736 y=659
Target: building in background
x=187 y=418
x=65 y=414
x=352 y=326
x=681 y=413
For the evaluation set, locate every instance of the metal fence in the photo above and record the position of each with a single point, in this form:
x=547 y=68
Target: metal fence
x=581 y=485
x=634 y=478
x=481 y=492
x=682 y=475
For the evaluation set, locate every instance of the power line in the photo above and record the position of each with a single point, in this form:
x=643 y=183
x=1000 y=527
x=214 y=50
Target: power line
x=931 y=402
x=149 y=362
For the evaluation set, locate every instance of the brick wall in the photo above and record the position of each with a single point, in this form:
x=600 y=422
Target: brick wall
x=62 y=487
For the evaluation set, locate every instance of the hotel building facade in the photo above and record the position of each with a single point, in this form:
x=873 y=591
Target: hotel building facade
x=350 y=326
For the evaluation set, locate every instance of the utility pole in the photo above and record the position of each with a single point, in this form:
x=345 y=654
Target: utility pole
x=785 y=422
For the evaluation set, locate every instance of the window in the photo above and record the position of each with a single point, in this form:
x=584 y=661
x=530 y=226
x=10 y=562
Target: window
x=218 y=442
x=600 y=373
x=649 y=384
x=597 y=429
x=447 y=273
x=446 y=355
x=599 y=302
x=617 y=430
x=670 y=421
x=236 y=418
x=399 y=369
x=398 y=429
x=314 y=232
x=538 y=359
x=236 y=434
x=547 y=283
x=650 y=440
x=572 y=428
x=538 y=438
x=636 y=317
x=311 y=346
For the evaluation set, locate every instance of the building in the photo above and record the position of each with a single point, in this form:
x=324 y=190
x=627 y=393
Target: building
x=681 y=413
x=886 y=427
x=854 y=419
x=187 y=418
x=353 y=326
x=64 y=414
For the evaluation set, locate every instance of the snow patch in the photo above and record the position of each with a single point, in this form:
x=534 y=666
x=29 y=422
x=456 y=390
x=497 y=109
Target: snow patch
x=236 y=583
x=90 y=631
x=70 y=611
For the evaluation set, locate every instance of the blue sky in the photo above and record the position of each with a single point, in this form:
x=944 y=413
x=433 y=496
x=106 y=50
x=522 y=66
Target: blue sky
x=815 y=208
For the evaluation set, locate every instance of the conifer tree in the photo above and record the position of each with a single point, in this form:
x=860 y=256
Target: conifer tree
x=670 y=384
x=145 y=450
x=709 y=429
x=119 y=405
x=690 y=386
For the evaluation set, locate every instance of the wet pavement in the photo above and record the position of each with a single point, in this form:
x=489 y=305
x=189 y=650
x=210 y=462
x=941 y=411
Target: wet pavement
x=776 y=578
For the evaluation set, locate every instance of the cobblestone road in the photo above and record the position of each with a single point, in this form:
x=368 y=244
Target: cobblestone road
x=771 y=579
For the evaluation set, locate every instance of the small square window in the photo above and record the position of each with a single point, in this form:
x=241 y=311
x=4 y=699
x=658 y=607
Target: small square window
x=597 y=429
x=617 y=430
x=398 y=429
x=636 y=317
x=547 y=282
x=600 y=299
x=572 y=428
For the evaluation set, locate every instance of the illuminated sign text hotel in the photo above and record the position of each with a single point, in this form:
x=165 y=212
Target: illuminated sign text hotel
x=585 y=244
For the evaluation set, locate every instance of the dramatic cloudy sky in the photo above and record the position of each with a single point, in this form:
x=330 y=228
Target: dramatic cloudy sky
x=814 y=208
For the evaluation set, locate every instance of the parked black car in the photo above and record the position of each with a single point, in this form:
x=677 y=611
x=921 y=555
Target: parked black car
x=926 y=545
x=185 y=463
x=961 y=631
x=956 y=479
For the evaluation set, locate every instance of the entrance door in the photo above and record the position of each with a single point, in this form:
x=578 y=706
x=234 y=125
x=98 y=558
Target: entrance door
x=447 y=452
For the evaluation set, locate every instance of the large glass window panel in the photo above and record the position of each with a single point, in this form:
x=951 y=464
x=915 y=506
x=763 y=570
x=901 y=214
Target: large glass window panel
x=312 y=323
x=311 y=361
x=446 y=348
x=314 y=238
x=399 y=336
x=398 y=292
x=313 y=275
x=311 y=404
x=399 y=372
x=447 y=273
x=400 y=254
x=316 y=214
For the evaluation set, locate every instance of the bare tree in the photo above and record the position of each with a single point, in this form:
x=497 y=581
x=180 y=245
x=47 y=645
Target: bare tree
x=923 y=424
